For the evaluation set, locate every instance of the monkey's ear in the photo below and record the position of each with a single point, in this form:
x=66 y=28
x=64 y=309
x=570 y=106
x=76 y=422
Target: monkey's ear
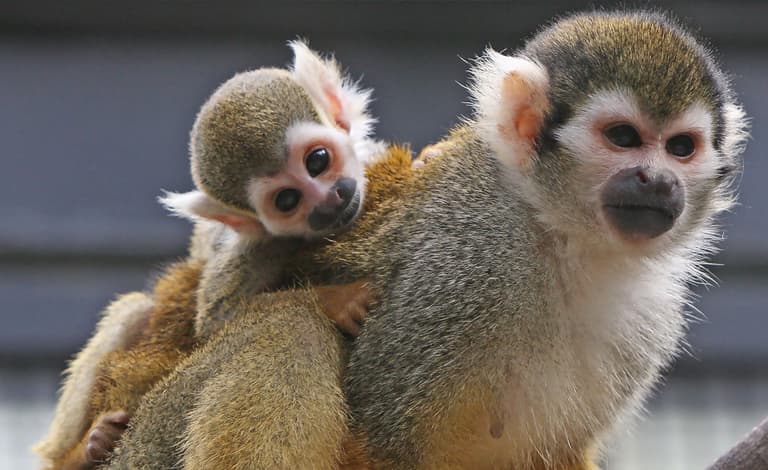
x=197 y=204
x=341 y=99
x=509 y=95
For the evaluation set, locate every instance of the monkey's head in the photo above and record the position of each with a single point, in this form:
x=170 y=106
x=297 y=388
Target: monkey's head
x=616 y=127
x=281 y=152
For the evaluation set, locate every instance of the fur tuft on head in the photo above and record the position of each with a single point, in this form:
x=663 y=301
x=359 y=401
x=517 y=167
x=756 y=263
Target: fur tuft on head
x=736 y=130
x=340 y=98
x=508 y=97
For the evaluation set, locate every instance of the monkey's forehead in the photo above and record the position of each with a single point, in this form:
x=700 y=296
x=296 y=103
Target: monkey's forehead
x=250 y=116
x=240 y=133
x=665 y=67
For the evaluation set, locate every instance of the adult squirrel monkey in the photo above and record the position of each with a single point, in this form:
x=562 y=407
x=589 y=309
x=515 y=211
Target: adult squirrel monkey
x=529 y=297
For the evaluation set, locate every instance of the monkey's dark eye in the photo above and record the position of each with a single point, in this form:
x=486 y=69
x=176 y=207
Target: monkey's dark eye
x=681 y=146
x=287 y=199
x=317 y=161
x=623 y=135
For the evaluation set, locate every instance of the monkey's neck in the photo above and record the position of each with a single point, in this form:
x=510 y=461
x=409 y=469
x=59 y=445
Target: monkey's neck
x=236 y=273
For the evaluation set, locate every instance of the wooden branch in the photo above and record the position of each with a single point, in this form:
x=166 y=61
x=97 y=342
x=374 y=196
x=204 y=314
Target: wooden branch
x=749 y=454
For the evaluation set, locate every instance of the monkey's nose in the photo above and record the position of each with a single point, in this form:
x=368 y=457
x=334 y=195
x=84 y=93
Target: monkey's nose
x=643 y=203
x=344 y=189
x=337 y=209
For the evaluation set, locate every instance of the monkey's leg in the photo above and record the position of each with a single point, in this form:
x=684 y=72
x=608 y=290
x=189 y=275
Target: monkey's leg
x=264 y=392
x=120 y=324
x=124 y=376
x=277 y=401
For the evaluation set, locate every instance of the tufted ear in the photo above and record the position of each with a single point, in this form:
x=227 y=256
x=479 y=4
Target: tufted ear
x=342 y=100
x=197 y=204
x=509 y=95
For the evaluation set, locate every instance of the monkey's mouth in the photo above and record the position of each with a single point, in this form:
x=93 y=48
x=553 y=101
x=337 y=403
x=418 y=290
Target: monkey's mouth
x=326 y=222
x=638 y=222
x=350 y=212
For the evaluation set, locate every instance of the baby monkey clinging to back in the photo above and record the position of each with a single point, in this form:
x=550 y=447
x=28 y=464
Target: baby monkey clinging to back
x=277 y=157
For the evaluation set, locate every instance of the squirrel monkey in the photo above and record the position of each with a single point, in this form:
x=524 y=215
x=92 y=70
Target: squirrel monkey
x=265 y=390
x=530 y=282
x=277 y=157
x=529 y=298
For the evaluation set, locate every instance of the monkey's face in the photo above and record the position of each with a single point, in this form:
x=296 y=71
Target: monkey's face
x=641 y=134
x=645 y=181
x=617 y=128
x=638 y=177
x=318 y=191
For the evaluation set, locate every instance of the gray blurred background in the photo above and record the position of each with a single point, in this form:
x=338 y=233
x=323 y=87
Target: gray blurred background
x=96 y=102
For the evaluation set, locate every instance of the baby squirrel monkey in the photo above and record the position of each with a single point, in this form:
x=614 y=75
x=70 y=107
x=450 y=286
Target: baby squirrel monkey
x=277 y=157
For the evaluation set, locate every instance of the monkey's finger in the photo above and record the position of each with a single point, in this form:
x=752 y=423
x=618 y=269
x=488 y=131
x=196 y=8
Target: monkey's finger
x=358 y=314
x=106 y=434
x=118 y=418
x=363 y=298
x=348 y=326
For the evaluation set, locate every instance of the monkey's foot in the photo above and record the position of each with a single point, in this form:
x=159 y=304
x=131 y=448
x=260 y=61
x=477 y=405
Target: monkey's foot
x=103 y=435
x=346 y=304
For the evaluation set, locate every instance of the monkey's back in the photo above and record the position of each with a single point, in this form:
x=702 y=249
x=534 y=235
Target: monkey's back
x=470 y=355
x=426 y=258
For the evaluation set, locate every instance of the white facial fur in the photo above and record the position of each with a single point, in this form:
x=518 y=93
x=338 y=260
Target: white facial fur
x=583 y=137
x=301 y=139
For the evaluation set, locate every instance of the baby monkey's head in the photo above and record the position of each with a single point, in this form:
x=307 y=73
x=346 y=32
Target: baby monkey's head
x=281 y=152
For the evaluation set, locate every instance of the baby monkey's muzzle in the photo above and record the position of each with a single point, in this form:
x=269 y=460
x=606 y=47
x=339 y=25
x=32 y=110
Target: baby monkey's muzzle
x=339 y=209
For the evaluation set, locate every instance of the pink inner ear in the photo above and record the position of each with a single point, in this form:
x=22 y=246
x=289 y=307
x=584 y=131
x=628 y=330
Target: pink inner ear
x=336 y=109
x=527 y=111
x=241 y=224
x=528 y=123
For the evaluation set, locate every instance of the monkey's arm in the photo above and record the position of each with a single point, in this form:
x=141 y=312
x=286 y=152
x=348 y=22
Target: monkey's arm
x=119 y=326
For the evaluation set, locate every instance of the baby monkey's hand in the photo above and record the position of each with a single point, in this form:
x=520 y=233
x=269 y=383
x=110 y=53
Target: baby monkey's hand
x=346 y=304
x=430 y=152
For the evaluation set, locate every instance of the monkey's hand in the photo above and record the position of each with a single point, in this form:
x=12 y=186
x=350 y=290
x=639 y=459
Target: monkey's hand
x=345 y=304
x=431 y=152
x=103 y=435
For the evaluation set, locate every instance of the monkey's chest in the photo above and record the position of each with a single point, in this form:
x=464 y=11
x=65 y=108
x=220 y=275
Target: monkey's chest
x=571 y=371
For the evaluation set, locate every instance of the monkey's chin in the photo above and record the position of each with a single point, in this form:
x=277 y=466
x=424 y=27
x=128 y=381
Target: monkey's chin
x=639 y=224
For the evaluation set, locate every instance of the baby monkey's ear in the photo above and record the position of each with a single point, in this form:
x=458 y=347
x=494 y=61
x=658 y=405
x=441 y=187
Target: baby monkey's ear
x=341 y=99
x=510 y=100
x=197 y=204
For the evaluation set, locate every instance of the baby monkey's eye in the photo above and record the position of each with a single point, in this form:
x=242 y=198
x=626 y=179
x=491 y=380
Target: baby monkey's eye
x=623 y=135
x=681 y=146
x=287 y=199
x=317 y=161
